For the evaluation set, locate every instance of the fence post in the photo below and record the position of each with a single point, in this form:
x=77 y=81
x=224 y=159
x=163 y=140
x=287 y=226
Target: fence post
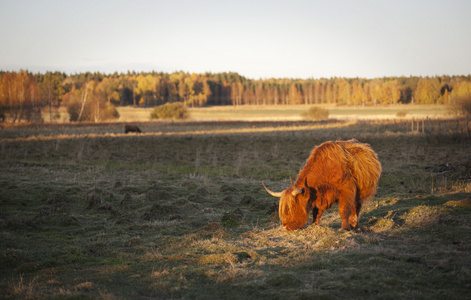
x=423 y=127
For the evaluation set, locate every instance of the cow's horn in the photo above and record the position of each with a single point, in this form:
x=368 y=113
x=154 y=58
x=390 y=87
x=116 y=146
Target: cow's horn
x=296 y=190
x=272 y=193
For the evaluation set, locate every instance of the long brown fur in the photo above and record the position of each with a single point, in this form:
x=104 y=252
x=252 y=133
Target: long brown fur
x=346 y=172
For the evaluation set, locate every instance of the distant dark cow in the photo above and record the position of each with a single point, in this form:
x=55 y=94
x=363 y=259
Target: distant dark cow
x=131 y=128
x=346 y=172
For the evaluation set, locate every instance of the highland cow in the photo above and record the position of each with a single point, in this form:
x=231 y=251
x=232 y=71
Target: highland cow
x=346 y=172
x=131 y=128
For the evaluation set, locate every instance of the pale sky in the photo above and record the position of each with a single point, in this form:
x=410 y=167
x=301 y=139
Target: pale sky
x=257 y=39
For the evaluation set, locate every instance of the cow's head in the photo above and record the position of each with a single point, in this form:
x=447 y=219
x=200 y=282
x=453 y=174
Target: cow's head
x=294 y=205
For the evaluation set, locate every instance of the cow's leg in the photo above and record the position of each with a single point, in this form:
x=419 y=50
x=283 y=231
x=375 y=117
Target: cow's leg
x=355 y=216
x=345 y=223
x=347 y=208
x=316 y=215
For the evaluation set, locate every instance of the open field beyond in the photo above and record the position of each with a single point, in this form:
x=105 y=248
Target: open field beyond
x=278 y=112
x=179 y=212
x=293 y=112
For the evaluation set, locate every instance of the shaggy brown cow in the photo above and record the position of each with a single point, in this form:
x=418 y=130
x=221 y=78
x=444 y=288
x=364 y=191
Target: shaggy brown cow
x=346 y=172
x=131 y=128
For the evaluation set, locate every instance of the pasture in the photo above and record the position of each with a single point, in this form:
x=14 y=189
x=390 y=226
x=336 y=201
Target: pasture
x=179 y=211
x=291 y=112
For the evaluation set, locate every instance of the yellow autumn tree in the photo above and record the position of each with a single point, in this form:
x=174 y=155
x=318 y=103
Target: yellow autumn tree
x=19 y=97
x=88 y=104
x=389 y=92
x=146 y=90
x=295 y=94
x=344 y=92
x=461 y=98
x=427 y=91
x=109 y=88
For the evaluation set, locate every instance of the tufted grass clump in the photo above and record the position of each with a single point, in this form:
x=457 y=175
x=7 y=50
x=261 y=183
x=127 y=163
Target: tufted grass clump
x=401 y=114
x=316 y=113
x=173 y=111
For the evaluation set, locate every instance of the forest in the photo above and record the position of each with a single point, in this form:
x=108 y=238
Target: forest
x=94 y=96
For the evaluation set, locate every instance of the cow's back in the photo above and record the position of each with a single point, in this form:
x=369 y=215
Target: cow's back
x=365 y=167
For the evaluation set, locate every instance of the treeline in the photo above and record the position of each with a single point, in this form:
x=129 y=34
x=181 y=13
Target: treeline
x=93 y=96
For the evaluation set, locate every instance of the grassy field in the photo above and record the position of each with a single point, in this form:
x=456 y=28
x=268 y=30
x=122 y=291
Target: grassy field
x=180 y=212
x=292 y=112
x=278 y=112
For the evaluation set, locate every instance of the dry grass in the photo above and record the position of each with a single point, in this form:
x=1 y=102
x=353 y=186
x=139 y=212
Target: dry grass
x=167 y=129
x=290 y=112
x=183 y=215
